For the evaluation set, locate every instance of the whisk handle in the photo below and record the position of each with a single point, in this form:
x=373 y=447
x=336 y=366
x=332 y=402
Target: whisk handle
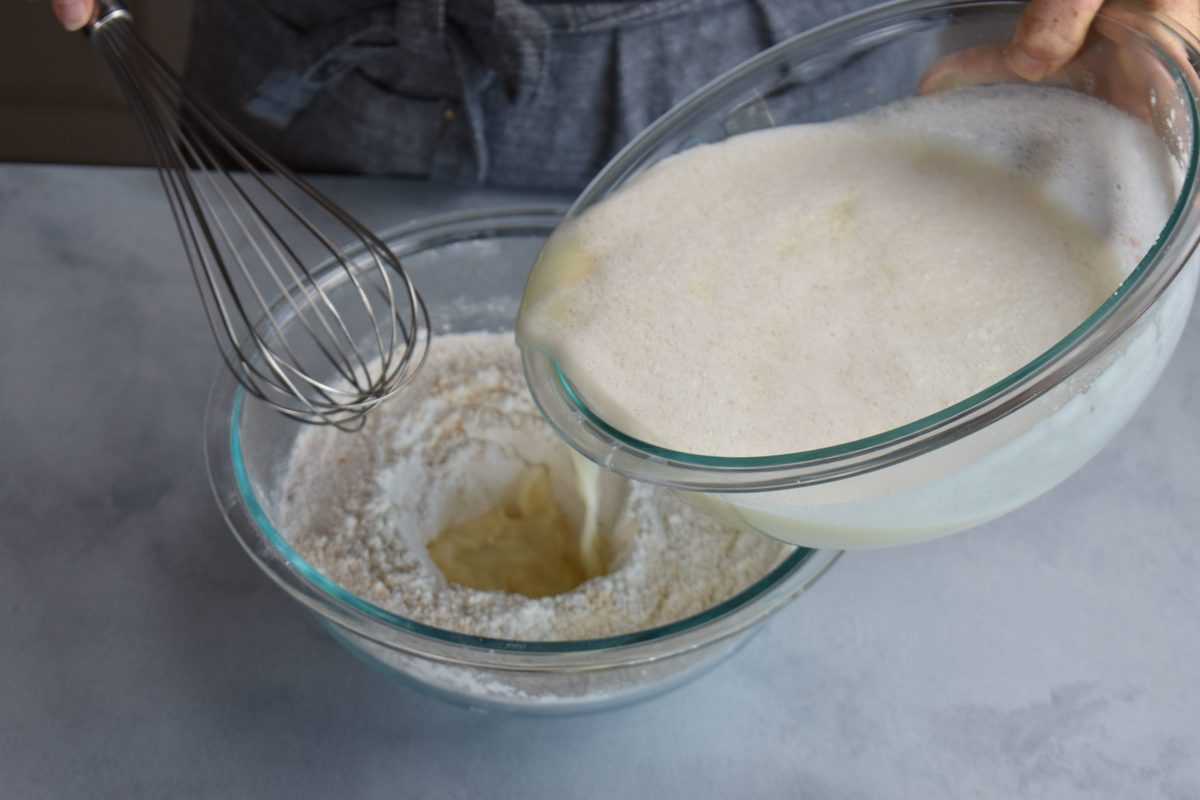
x=108 y=11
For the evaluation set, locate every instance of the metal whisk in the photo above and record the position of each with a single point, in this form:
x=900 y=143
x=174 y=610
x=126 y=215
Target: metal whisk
x=298 y=294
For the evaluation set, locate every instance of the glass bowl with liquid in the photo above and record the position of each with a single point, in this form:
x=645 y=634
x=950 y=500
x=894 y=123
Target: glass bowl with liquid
x=470 y=269
x=1003 y=446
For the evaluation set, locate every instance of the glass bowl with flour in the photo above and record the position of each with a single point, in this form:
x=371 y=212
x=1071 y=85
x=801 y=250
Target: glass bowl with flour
x=914 y=313
x=446 y=541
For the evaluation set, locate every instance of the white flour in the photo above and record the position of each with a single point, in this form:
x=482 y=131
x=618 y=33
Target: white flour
x=361 y=508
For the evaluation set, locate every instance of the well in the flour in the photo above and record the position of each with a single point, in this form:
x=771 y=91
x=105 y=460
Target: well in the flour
x=526 y=545
x=464 y=442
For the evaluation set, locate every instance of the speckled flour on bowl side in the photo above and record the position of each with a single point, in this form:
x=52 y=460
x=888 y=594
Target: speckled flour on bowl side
x=361 y=508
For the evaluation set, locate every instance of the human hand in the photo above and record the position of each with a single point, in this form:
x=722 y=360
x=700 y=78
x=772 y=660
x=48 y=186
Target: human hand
x=1052 y=44
x=1051 y=32
x=74 y=14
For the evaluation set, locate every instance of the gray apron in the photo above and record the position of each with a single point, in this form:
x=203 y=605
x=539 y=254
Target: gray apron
x=505 y=92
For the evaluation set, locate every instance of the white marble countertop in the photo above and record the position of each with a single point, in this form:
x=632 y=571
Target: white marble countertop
x=1052 y=654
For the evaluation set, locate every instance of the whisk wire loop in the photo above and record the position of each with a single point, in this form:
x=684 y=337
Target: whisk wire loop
x=251 y=231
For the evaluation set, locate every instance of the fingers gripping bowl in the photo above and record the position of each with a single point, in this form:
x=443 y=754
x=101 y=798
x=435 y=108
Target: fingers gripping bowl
x=991 y=452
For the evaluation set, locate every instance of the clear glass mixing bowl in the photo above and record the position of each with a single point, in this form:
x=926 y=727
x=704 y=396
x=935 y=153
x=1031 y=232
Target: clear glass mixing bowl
x=1000 y=448
x=470 y=269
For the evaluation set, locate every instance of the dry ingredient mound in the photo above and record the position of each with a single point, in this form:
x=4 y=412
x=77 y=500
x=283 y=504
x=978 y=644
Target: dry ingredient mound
x=362 y=507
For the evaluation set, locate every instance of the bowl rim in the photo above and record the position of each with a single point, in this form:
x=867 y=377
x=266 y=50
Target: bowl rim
x=635 y=458
x=244 y=512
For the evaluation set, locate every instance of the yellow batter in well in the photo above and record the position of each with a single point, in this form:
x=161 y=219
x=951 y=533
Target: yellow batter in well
x=526 y=546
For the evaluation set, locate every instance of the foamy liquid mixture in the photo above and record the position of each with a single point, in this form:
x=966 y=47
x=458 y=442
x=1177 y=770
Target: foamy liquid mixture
x=809 y=285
